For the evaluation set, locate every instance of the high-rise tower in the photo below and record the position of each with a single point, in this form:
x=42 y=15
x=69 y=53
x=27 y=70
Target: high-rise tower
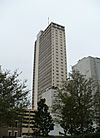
x=50 y=65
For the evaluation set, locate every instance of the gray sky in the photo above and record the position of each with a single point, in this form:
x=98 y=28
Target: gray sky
x=21 y=20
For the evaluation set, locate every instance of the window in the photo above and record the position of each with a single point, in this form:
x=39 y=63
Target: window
x=15 y=134
x=9 y=133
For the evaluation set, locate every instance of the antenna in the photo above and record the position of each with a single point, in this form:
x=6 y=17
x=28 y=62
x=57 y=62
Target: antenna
x=48 y=20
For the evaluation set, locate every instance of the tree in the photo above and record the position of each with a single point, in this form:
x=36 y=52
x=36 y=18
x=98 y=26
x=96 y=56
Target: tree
x=73 y=106
x=42 y=120
x=13 y=97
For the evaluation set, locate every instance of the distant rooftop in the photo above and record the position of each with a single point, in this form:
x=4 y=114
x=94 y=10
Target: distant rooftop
x=89 y=57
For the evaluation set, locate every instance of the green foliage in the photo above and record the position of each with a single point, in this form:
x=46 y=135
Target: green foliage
x=42 y=120
x=74 y=106
x=13 y=97
x=94 y=135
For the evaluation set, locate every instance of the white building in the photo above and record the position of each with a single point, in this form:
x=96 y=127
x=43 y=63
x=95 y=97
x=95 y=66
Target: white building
x=89 y=66
x=49 y=95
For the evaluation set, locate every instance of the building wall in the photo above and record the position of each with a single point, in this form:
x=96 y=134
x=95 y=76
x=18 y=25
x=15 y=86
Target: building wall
x=90 y=67
x=84 y=67
x=59 y=67
x=23 y=127
x=35 y=71
x=49 y=95
x=45 y=62
x=27 y=122
x=13 y=131
x=51 y=64
x=97 y=61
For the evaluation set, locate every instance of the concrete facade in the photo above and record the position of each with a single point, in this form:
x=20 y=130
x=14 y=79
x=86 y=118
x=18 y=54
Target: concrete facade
x=10 y=131
x=27 y=122
x=90 y=67
x=49 y=95
x=50 y=65
x=23 y=127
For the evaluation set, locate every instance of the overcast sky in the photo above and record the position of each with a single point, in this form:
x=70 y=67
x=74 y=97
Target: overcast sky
x=21 y=20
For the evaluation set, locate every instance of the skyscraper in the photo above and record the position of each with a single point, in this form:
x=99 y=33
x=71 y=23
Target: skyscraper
x=50 y=65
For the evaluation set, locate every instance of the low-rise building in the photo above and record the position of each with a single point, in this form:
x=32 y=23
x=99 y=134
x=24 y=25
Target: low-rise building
x=21 y=127
x=27 y=122
x=10 y=131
